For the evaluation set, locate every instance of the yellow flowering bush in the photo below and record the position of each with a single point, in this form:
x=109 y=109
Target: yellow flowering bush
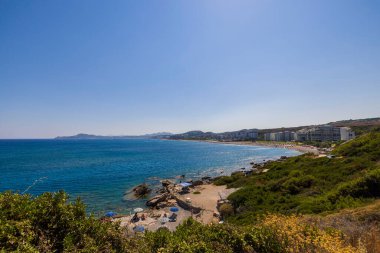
x=279 y=233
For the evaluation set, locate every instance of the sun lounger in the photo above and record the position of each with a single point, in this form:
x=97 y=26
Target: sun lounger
x=173 y=218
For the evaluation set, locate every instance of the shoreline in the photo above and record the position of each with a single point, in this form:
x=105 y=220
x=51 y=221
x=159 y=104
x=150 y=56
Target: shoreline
x=204 y=197
x=300 y=148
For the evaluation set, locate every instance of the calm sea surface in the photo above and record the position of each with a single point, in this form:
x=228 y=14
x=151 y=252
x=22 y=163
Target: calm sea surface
x=101 y=171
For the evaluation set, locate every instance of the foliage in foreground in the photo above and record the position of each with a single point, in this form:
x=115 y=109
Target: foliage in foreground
x=272 y=234
x=49 y=223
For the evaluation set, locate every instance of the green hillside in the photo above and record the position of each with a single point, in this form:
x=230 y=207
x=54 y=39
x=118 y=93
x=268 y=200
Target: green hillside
x=308 y=184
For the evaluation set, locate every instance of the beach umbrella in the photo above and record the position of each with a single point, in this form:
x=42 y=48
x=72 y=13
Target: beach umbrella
x=139 y=228
x=185 y=184
x=174 y=209
x=138 y=210
x=110 y=214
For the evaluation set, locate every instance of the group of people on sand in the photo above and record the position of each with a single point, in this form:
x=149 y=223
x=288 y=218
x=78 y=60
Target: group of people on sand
x=136 y=217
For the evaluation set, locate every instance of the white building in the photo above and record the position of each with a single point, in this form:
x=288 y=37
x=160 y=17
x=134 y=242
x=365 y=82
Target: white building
x=346 y=134
x=325 y=133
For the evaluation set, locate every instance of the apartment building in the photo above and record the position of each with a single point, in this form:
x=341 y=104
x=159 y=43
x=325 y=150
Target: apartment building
x=325 y=133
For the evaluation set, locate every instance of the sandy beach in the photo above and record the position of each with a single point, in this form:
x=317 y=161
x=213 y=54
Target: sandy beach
x=206 y=200
x=287 y=145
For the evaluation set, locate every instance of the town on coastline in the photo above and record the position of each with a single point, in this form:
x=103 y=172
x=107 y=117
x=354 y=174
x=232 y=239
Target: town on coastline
x=321 y=133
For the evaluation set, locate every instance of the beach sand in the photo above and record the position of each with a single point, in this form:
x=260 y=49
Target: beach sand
x=207 y=200
x=287 y=145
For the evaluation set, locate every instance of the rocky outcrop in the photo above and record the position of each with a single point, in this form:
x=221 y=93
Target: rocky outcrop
x=141 y=190
x=153 y=202
x=187 y=206
x=166 y=183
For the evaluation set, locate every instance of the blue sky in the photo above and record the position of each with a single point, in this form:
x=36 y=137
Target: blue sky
x=134 y=67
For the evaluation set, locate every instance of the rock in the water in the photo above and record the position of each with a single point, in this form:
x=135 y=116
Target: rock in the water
x=141 y=190
x=166 y=183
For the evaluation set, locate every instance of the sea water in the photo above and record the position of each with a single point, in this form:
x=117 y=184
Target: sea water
x=100 y=172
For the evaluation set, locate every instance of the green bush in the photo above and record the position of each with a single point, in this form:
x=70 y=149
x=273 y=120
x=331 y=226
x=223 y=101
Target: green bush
x=226 y=210
x=294 y=185
x=365 y=187
x=227 y=180
x=49 y=223
x=367 y=145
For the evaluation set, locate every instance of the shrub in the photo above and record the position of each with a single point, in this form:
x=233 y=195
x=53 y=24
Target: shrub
x=49 y=223
x=226 y=210
x=273 y=233
x=226 y=180
x=295 y=184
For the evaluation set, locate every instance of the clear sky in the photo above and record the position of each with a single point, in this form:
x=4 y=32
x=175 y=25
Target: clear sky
x=134 y=67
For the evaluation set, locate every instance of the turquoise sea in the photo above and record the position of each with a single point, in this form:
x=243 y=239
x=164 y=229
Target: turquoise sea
x=101 y=171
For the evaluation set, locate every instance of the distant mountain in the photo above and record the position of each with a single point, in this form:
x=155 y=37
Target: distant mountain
x=245 y=134
x=155 y=135
x=82 y=136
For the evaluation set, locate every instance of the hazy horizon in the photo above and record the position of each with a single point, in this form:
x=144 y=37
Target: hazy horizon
x=147 y=133
x=140 y=67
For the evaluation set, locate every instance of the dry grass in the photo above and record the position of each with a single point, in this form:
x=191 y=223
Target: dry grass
x=360 y=226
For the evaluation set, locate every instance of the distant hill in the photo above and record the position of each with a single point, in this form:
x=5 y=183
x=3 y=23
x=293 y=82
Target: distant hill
x=82 y=136
x=358 y=125
x=245 y=134
x=357 y=122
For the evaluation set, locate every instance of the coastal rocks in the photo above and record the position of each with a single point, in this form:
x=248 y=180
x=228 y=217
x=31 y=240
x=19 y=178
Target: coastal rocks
x=153 y=202
x=162 y=205
x=166 y=183
x=161 y=190
x=168 y=186
x=248 y=172
x=187 y=206
x=141 y=190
